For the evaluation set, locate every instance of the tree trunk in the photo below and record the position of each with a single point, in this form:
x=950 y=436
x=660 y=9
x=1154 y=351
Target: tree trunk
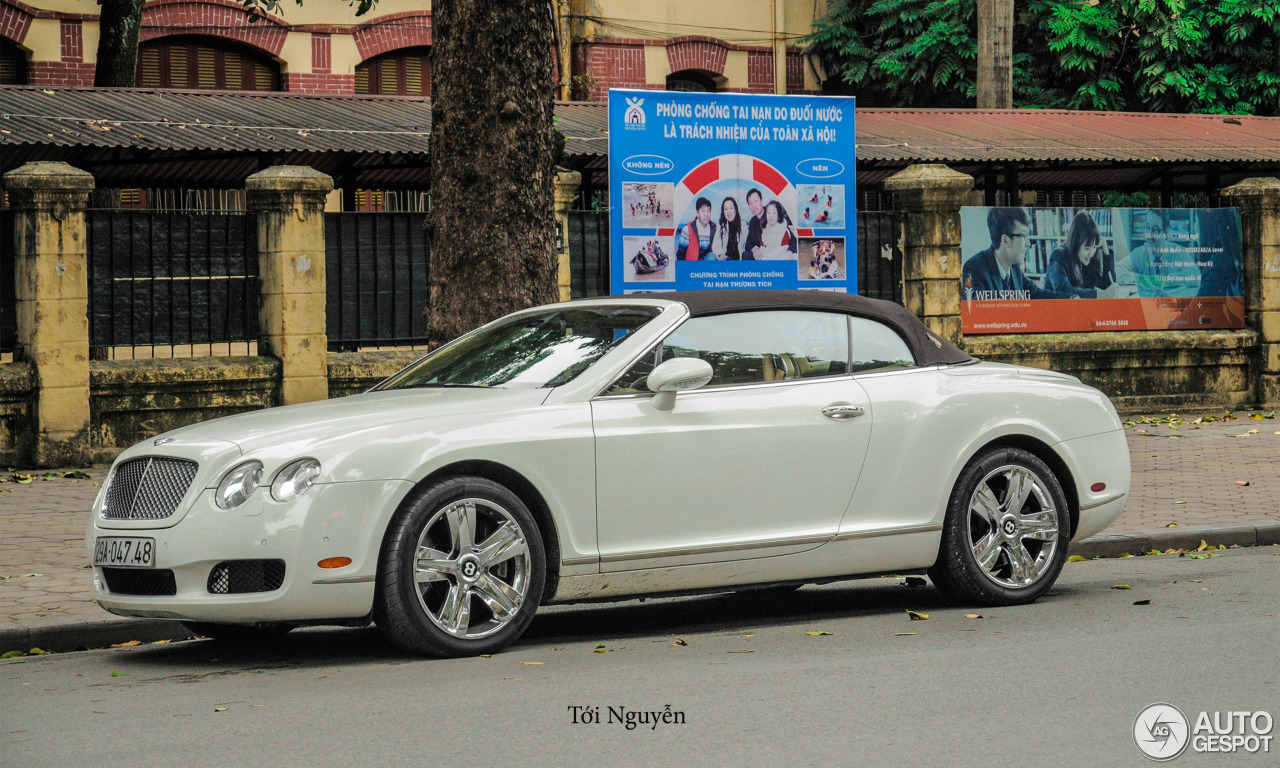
x=118 y=26
x=493 y=154
x=995 y=54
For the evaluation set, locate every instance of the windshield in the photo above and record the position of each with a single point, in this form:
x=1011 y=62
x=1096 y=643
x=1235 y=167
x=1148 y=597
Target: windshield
x=542 y=349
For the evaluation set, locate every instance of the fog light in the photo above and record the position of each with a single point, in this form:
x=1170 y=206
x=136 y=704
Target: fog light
x=334 y=562
x=1098 y=487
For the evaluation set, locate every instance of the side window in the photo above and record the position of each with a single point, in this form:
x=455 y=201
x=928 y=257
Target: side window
x=877 y=347
x=753 y=347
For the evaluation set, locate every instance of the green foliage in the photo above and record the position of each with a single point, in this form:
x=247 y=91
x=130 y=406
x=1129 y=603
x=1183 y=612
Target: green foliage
x=1216 y=56
x=257 y=9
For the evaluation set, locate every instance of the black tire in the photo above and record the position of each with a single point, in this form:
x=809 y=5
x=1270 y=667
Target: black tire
x=240 y=634
x=414 y=615
x=960 y=571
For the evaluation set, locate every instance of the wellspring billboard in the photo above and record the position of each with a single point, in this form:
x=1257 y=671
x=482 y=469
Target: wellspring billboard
x=715 y=190
x=1042 y=270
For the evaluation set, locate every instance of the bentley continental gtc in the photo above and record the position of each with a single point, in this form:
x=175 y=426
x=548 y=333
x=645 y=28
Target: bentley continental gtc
x=614 y=448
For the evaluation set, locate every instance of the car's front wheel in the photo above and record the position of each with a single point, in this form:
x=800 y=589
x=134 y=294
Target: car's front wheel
x=1006 y=532
x=462 y=570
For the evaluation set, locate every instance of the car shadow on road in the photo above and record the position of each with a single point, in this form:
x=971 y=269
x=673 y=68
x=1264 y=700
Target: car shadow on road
x=561 y=625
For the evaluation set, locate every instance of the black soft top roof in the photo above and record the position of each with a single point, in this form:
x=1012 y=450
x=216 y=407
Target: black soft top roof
x=928 y=347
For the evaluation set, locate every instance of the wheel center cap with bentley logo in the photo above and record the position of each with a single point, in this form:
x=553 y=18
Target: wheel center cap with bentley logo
x=469 y=568
x=1009 y=526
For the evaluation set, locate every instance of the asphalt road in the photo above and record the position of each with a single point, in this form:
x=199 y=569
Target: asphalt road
x=1056 y=683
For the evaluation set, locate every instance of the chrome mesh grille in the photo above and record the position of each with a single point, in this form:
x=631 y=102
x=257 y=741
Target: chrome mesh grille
x=148 y=488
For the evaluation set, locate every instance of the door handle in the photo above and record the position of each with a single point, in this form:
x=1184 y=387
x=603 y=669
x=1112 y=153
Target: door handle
x=840 y=412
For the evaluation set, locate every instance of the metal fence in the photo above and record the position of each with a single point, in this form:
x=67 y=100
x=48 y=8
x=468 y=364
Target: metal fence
x=588 y=253
x=8 y=296
x=378 y=275
x=171 y=283
x=880 y=254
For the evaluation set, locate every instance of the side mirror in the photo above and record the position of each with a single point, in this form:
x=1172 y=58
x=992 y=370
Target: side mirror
x=675 y=375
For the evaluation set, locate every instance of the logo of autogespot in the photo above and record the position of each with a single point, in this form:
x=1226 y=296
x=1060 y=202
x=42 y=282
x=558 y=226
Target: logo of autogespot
x=1161 y=732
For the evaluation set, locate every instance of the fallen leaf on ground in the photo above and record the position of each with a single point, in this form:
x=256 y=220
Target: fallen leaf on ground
x=1203 y=546
x=1121 y=586
x=533 y=663
x=1142 y=602
x=27 y=575
x=1173 y=525
x=11 y=654
x=818 y=633
x=974 y=616
x=740 y=651
x=1077 y=559
x=77 y=474
x=119 y=674
x=681 y=643
x=129 y=644
x=917 y=616
x=1182 y=501
x=1205 y=556
x=219 y=709
x=1242 y=483
x=159 y=642
x=904 y=634
x=1124 y=554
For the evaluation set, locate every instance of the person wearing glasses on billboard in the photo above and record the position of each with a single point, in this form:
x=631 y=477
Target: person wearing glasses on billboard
x=996 y=272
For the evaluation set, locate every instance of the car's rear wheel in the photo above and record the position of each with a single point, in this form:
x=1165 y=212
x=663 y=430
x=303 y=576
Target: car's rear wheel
x=1006 y=532
x=462 y=570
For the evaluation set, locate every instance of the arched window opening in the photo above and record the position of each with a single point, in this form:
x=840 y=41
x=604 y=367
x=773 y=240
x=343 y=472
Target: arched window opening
x=13 y=64
x=692 y=81
x=205 y=64
x=406 y=72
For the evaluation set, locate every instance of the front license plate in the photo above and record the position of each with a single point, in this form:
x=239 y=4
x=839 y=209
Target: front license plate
x=120 y=552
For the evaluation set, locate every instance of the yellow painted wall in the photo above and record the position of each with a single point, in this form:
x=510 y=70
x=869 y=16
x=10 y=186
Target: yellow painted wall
x=44 y=40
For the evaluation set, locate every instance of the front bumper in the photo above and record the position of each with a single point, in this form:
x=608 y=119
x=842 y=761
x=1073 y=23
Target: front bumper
x=332 y=520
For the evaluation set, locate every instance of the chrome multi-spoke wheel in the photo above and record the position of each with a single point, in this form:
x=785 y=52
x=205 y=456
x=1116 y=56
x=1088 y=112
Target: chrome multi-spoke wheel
x=462 y=569
x=1013 y=526
x=471 y=568
x=1006 y=531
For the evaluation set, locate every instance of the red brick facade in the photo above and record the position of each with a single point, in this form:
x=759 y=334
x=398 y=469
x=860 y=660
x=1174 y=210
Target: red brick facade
x=603 y=63
x=72 y=41
x=301 y=82
x=701 y=53
x=73 y=73
x=397 y=30
x=216 y=18
x=321 y=54
x=14 y=22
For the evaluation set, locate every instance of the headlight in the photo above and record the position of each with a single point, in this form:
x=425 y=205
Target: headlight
x=239 y=484
x=106 y=489
x=295 y=479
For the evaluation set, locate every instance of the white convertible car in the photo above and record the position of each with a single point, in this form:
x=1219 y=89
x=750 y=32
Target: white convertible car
x=612 y=448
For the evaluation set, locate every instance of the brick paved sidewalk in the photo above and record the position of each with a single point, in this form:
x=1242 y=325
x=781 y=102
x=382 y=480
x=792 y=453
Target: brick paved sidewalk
x=42 y=525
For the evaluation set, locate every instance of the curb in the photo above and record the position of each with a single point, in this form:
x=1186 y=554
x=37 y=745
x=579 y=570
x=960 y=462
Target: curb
x=1112 y=545
x=72 y=634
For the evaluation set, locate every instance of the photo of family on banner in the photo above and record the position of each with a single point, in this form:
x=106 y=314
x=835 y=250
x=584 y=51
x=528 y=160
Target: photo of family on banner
x=1143 y=269
x=699 y=211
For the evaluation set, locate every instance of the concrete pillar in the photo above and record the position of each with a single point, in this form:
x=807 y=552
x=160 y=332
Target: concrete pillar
x=567 y=183
x=932 y=196
x=1259 y=203
x=52 y=286
x=289 y=203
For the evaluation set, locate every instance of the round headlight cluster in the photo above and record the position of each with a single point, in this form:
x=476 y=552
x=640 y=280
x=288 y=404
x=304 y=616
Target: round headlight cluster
x=295 y=479
x=239 y=484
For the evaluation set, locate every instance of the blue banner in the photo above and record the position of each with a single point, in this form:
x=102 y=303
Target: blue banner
x=723 y=190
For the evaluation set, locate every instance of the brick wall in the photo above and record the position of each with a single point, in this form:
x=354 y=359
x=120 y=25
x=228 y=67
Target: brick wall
x=59 y=73
x=795 y=73
x=759 y=72
x=397 y=30
x=72 y=41
x=704 y=54
x=14 y=23
x=302 y=82
x=608 y=65
x=321 y=54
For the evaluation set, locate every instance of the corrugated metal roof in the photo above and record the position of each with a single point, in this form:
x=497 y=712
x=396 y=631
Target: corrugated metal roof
x=163 y=137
